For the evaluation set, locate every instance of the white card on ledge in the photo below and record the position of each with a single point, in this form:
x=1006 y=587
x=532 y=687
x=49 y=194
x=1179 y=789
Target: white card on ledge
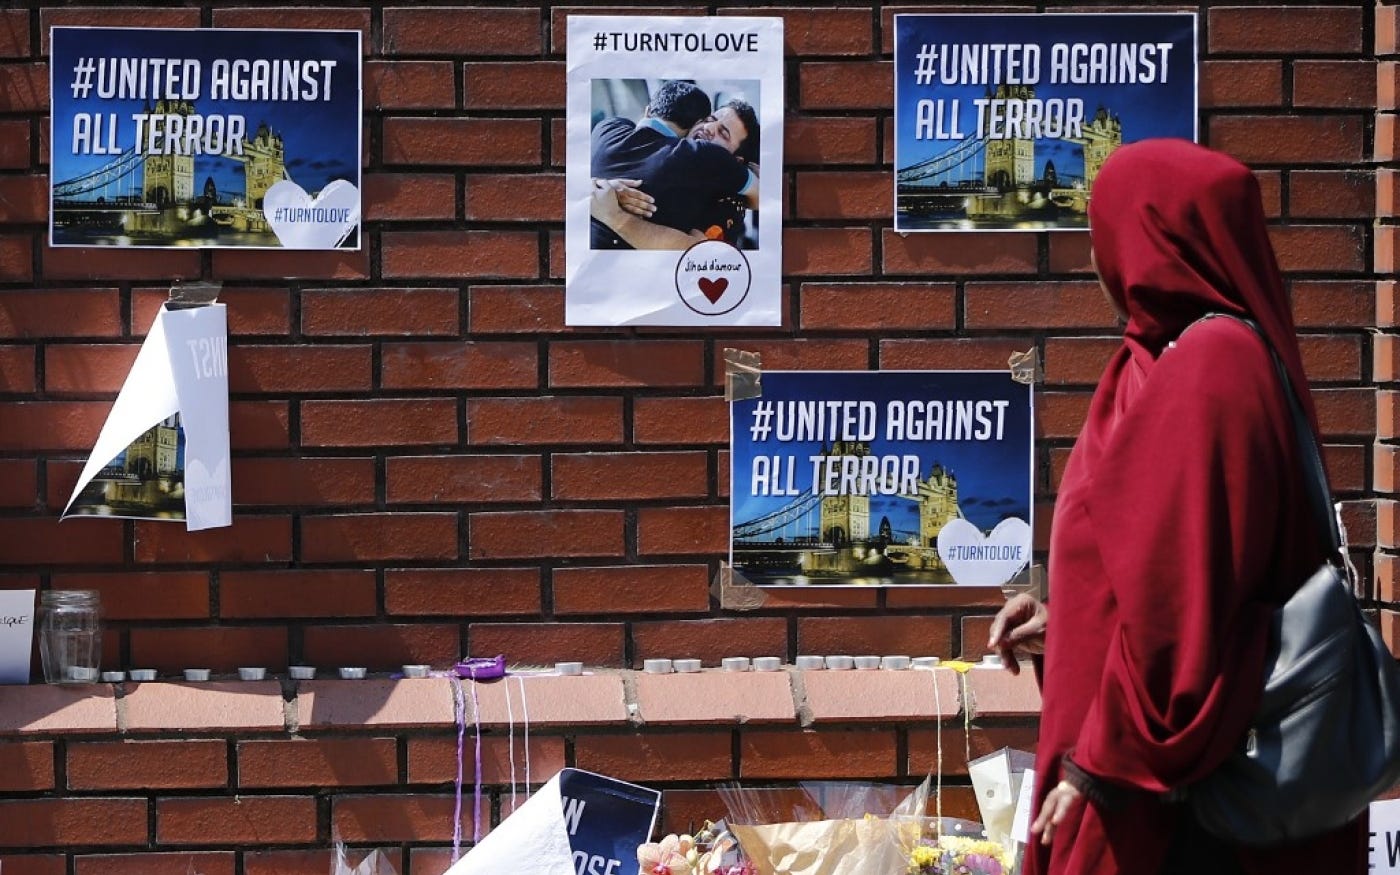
x=16 y=634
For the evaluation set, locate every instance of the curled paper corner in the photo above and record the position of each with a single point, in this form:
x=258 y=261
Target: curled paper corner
x=187 y=296
x=736 y=592
x=1025 y=367
x=743 y=375
x=1030 y=580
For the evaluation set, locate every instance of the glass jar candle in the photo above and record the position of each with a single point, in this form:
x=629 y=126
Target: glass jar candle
x=70 y=636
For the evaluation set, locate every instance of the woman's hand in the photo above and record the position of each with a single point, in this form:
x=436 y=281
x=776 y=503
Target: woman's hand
x=1019 y=627
x=1057 y=806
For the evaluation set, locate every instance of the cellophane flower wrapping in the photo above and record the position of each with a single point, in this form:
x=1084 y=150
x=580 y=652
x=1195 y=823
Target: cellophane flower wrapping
x=372 y=863
x=951 y=846
x=826 y=828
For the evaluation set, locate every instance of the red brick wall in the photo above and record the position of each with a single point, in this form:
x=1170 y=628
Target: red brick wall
x=429 y=463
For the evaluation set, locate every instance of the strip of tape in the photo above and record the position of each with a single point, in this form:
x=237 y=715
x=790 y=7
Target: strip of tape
x=736 y=592
x=743 y=375
x=1025 y=367
x=187 y=296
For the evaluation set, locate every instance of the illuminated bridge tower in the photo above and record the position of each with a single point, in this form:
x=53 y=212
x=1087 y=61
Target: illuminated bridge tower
x=1011 y=163
x=168 y=179
x=265 y=164
x=845 y=518
x=1102 y=135
x=938 y=503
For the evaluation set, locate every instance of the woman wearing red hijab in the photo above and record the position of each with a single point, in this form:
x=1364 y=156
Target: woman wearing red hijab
x=1181 y=522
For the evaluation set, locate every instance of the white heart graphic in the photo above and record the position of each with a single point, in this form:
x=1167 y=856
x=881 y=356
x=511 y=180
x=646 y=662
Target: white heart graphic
x=977 y=560
x=207 y=499
x=303 y=222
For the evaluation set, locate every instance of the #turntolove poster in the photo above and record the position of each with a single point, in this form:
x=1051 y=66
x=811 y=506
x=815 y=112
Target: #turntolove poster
x=205 y=137
x=1001 y=122
x=885 y=478
x=690 y=112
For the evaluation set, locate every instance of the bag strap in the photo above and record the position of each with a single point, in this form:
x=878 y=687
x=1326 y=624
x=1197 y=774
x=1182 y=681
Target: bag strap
x=1315 y=481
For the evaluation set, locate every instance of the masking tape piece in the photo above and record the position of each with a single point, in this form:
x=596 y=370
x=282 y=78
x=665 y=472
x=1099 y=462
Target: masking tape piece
x=736 y=592
x=1025 y=367
x=743 y=375
x=187 y=296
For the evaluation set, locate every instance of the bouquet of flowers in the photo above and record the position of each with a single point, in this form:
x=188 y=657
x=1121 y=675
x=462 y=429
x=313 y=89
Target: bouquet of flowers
x=705 y=853
x=953 y=847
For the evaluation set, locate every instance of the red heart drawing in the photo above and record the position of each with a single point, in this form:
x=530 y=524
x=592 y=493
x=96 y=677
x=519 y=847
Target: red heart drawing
x=713 y=289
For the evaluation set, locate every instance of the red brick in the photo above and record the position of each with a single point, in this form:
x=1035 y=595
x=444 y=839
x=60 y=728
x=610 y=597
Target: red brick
x=410 y=85
x=1334 y=84
x=576 y=364
x=434 y=760
x=808 y=32
x=153 y=595
x=379 y=536
x=265 y=481
x=16 y=257
x=910 y=635
x=1230 y=84
x=451 y=592
x=249 y=539
x=276 y=594
x=682 y=756
x=159 y=765
x=1032 y=305
x=86 y=369
x=598 y=644
x=44 y=541
x=1330 y=194
x=516 y=309
x=522 y=534
x=628 y=589
x=319 y=762
x=958 y=253
x=957 y=742
x=1387 y=30
x=382 y=647
x=241 y=820
x=547 y=420
x=810 y=251
x=832 y=140
x=378 y=422
x=14 y=144
x=846 y=84
x=185 y=863
x=682 y=530
x=251 y=310
x=24 y=199
x=258 y=425
x=1277 y=29
x=878 y=306
x=24 y=87
x=517 y=85
x=1346 y=411
x=14 y=34
x=397 y=818
x=592 y=476
x=1387 y=85
x=844 y=195
x=1346 y=467
x=1061 y=414
x=358 y=312
x=328 y=18
x=799 y=355
x=294 y=369
x=312 y=862
x=106 y=263
x=1333 y=303
x=273 y=264
x=26 y=765
x=459 y=365
x=952 y=353
x=1319 y=248
x=219 y=648
x=686 y=421
x=460 y=31
x=463 y=479
x=407 y=196
x=460 y=254
x=515 y=197
x=454 y=142
x=1258 y=139
x=815 y=755
x=709 y=640
x=65 y=823
x=19 y=483
x=1077 y=361
x=17 y=369
x=1331 y=358
x=60 y=313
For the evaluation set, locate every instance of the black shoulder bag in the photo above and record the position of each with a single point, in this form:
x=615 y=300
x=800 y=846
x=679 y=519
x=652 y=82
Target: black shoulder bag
x=1326 y=738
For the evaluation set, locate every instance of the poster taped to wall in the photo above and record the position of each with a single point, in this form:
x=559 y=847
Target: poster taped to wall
x=690 y=111
x=888 y=478
x=211 y=138
x=1003 y=121
x=163 y=453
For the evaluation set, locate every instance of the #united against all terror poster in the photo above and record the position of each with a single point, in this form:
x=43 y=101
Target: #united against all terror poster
x=1003 y=121
x=684 y=115
x=886 y=478
x=205 y=137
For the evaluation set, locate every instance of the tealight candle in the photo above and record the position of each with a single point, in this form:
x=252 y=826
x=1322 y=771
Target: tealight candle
x=735 y=663
x=656 y=666
x=926 y=661
x=196 y=674
x=811 y=663
x=767 y=663
x=686 y=666
x=569 y=668
x=251 y=673
x=866 y=663
x=894 y=663
x=352 y=673
x=142 y=674
x=302 y=672
x=113 y=677
x=840 y=663
x=415 y=671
